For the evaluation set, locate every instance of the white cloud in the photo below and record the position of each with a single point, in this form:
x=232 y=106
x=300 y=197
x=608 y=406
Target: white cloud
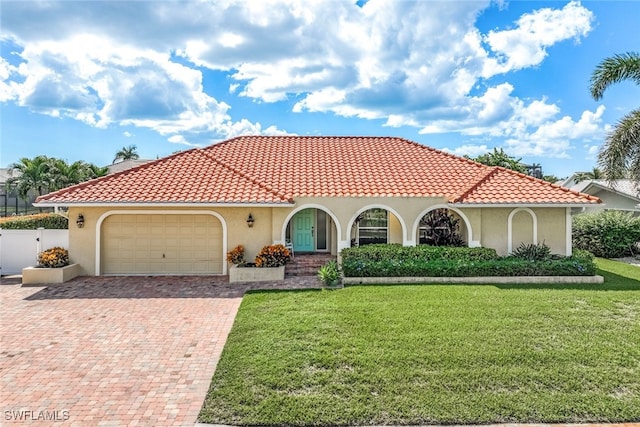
x=526 y=45
x=409 y=63
x=469 y=150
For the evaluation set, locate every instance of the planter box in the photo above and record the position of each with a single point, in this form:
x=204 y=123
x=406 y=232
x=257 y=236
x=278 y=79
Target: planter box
x=44 y=276
x=255 y=274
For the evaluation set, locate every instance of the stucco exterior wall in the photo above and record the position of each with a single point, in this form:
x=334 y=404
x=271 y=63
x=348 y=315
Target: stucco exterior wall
x=489 y=226
x=551 y=228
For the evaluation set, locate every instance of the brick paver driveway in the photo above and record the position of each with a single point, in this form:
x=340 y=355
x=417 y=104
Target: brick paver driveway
x=112 y=351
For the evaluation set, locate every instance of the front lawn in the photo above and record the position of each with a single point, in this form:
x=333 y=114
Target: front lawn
x=434 y=354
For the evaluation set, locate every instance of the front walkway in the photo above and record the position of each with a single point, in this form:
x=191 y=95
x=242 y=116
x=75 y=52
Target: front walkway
x=106 y=351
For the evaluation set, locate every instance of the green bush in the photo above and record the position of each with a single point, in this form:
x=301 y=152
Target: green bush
x=33 y=222
x=607 y=234
x=381 y=252
x=468 y=263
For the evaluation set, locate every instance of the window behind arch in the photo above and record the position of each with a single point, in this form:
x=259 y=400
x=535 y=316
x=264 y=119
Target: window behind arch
x=371 y=226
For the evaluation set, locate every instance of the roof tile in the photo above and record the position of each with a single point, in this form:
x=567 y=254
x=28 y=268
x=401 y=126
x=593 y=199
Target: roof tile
x=277 y=169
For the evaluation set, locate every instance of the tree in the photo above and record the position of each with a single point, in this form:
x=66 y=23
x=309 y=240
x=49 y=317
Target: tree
x=31 y=175
x=43 y=174
x=620 y=154
x=499 y=158
x=127 y=153
x=595 y=173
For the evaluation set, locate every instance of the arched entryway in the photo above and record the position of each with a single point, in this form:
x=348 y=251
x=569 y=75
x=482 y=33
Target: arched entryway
x=312 y=229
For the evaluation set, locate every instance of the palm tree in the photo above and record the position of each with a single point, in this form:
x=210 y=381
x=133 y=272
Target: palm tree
x=29 y=175
x=620 y=154
x=92 y=171
x=595 y=173
x=127 y=153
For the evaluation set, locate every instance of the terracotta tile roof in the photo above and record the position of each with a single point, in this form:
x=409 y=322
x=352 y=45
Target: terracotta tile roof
x=278 y=169
x=504 y=186
x=187 y=177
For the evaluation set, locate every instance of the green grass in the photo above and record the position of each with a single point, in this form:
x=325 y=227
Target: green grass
x=434 y=354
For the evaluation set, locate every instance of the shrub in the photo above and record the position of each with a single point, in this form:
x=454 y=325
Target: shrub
x=33 y=222
x=398 y=261
x=329 y=274
x=533 y=252
x=442 y=229
x=273 y=256
x=53 y=258
x=608 y=234
x=381 y=252
x=236 y=255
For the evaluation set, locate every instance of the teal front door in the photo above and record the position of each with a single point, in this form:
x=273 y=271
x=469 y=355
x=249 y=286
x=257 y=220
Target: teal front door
x=303 y=231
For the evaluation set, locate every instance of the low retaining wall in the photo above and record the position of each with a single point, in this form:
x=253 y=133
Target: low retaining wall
x=45 y=276
x=255 y=274
x=475 y=280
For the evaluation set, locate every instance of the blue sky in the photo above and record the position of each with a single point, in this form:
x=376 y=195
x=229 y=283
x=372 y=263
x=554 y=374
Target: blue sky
x=81 y=79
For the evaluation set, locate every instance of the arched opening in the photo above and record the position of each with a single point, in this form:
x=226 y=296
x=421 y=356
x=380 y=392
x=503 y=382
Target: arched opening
x=376 y=225
x=442 y=227
x=310 y=230
x=522 y=227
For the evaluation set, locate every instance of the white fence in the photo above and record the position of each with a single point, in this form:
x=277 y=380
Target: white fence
x=20 y=248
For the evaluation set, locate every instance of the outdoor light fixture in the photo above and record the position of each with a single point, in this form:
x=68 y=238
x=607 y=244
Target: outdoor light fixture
x=80 y=221
x=250 y=221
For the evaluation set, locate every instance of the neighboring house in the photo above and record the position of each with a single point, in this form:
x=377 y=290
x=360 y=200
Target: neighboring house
x=183 y=213
x=621 y=194
x=126 y=164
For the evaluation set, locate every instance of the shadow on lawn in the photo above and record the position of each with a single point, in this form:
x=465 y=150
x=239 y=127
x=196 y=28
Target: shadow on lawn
x=612 y=282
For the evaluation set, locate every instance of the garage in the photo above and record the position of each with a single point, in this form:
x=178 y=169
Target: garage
x=161 y=244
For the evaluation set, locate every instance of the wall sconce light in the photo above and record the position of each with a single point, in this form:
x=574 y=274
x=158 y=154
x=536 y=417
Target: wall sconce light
x=250 y=221
x=80 y=221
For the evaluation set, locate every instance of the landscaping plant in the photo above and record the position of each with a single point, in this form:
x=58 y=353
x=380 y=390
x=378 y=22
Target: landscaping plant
x=533 y=252
x=273 y=256
x=53 y=258
x=33 y=222
x=329 y=273
x=442 y=228
x=607 y=234
x=429 y=261
x=236 y=255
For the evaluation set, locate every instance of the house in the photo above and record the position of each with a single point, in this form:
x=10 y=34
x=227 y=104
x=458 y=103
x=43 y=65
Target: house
x=620 y=194
x=181 y=214
x=126 y=164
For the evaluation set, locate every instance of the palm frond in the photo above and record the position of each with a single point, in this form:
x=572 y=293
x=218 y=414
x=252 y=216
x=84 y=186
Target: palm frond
x=625 y=66
x=619 y=157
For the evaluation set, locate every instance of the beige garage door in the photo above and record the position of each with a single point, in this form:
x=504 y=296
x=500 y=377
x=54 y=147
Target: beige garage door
x=161 y=244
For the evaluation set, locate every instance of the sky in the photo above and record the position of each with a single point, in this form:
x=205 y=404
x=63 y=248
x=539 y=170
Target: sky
x=79 y=80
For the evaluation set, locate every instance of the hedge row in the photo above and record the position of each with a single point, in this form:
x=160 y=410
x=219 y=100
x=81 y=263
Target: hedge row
x=382 y=252
x=33 y=222
x=468 y=263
